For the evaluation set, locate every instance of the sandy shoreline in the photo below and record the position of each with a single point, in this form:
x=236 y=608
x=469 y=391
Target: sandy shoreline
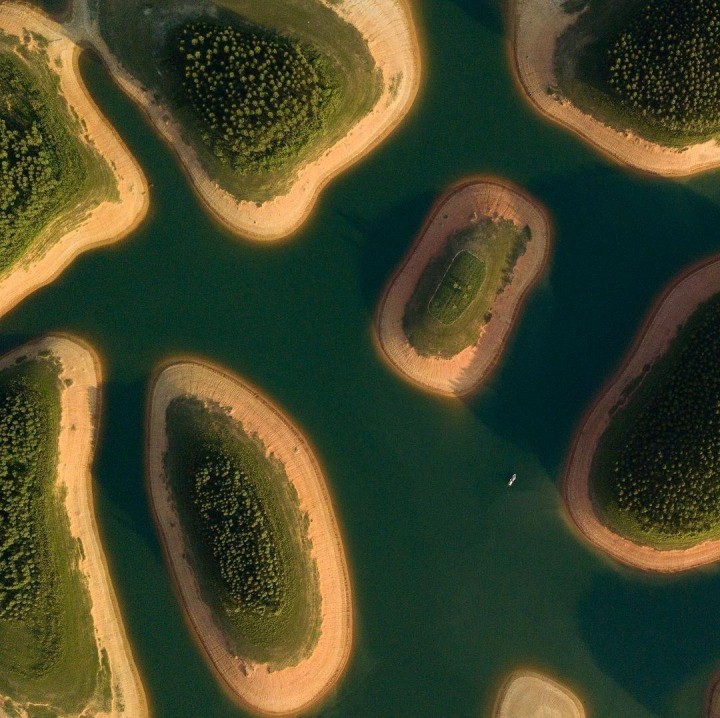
x=712 y=697
x=463 y=373
x=80 y=408
x=675 y=304
x=389 y=30
x=529 y=694
x=109 y=221
x=535 y=26
x=290 y=690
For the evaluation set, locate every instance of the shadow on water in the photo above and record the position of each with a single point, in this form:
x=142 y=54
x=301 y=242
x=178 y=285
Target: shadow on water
x=618 y=241
x=638 y=644
x=487 y=12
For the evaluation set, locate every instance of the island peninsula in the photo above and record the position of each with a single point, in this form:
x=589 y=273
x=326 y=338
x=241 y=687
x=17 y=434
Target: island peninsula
x=630 y=124
x=448 y=310
x=265 y=585
x=528 y=694
x=676 y=496
x=62 y=639
x=361 y=59
x=92 y=191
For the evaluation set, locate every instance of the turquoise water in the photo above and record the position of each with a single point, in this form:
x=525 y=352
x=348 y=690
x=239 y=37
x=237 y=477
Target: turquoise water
x=457 y=580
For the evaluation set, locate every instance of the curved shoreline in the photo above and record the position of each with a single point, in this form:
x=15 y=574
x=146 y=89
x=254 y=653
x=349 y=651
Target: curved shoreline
x=107 y=222
x=389 y=30
x=462 y=374
x=535 y=26
x=290 y=690
x=675 y=304
x=712 y=697
x=80 y=408
x=565 y=704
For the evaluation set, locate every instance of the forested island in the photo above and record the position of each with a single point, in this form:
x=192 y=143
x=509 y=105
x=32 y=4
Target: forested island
x=642 y=477
x=67 y=182
x=263 y=102
x=250 y=537
x=446 y=313
x=63 y=649
x=638 y=79
x=528 y=694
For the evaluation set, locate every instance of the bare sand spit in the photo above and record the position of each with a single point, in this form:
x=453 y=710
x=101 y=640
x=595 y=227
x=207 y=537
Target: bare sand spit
x=459 y=207
x=80 y=409
x=109 y=221
x=675 y=304
x=712 y=698
x=527 y=694
x=388 y=29
x=535 y=27
x=290 y=690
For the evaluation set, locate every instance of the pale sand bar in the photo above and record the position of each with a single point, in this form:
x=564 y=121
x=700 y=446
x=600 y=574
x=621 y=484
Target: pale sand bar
x=535 y=27
x=279 y=692
x=388 y=29
x=527 y=694
x=676 y=303
x=459 y=207
x=107 y=222
x=80 y=409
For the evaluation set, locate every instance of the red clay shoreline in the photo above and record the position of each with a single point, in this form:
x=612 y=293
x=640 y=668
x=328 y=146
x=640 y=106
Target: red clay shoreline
x=437 y=206
x=575 y=485
x=228 y=687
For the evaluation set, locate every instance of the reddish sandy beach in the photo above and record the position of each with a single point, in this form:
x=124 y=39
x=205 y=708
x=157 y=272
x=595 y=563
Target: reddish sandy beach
x=272 y=692
x=80 y=407
x=388 y=28
x=103 y=224
x=535 y=26
x=461 y=205
x=676 y=303
x=528 y=694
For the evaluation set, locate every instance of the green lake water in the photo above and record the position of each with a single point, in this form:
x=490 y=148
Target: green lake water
x=457 y=579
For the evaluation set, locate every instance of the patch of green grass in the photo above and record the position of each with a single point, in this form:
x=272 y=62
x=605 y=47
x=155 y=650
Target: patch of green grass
x=49 y=178
x=459 y=286
x=48 y=654
x=655 y=477
x=454 y=296
x=140 y=34
x=247 y=537
x=648 y=66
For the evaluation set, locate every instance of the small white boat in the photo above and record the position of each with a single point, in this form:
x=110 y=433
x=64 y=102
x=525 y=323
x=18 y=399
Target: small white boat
x=511 y=480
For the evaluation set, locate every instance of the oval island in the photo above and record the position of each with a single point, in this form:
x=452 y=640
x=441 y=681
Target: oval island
x=637 y=80
x=263 y=102
x=527 y=694
x=69 y=183
x=641 y=481
x=446 y=313
x=250 y=536
x=63 y=648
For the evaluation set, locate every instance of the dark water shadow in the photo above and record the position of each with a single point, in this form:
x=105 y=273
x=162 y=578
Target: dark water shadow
x=489 y=13
x=386 y=241
x=630 y=627
x=619 y=238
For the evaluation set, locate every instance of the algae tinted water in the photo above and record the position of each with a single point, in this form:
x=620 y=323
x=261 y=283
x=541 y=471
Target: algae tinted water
x=458 y=580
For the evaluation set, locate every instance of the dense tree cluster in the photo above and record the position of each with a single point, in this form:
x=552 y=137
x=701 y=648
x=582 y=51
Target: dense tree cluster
x=665 y=471
x=665 y=66
x=260 y=97
x=238 y=532
x=30 y=163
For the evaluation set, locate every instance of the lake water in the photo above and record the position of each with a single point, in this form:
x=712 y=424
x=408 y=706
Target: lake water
x=457 y=579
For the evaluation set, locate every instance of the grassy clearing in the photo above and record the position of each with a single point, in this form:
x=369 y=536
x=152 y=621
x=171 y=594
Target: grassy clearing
x=248 y=540
x=634 y=66
x=655 y=473
x=140 y=34
x=459 y=286
x=454 y=296
x=49 y=178
x=48 y=653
